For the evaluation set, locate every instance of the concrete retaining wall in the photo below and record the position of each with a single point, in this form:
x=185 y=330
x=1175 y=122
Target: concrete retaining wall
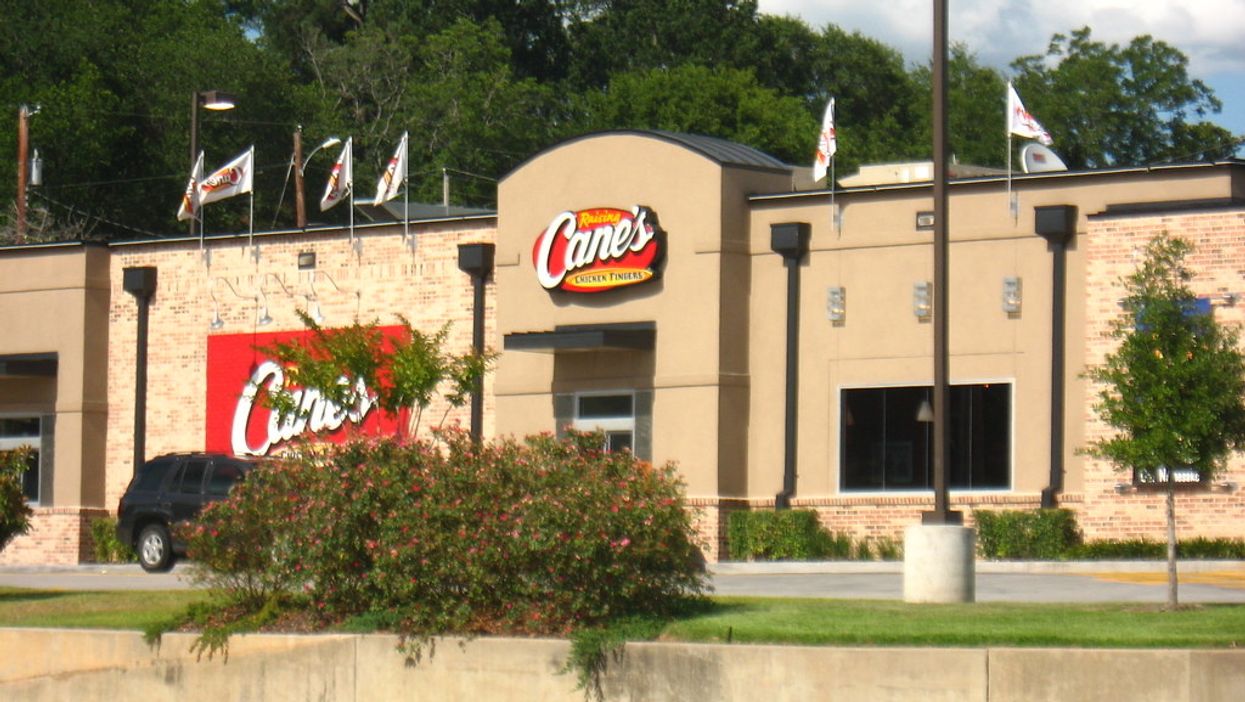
x=47 y=664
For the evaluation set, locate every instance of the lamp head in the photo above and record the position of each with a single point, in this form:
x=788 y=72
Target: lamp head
x=217 y=100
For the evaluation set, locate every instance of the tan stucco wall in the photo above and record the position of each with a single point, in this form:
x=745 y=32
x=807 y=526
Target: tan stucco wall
x=54 y=300
x=700 y=365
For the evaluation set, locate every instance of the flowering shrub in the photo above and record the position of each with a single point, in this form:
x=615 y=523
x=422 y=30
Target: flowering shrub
x=537 y=537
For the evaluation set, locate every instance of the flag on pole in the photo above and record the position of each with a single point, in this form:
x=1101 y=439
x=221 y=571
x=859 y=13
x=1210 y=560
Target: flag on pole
x=393 y=177
x=233 y=178
x=827 y=143
x=190 y=199
x=341 y=180
x=1021 y=123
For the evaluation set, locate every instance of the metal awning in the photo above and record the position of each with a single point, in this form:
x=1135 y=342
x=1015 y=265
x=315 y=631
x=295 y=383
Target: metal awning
x=629 y=336
x=33 y=365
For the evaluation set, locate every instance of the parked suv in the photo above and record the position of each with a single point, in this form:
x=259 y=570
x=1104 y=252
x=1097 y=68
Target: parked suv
x=171 y=489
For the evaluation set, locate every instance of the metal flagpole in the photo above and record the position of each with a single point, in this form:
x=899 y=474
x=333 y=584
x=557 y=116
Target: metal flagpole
x=834 y=213
x=250 y=237
x=406 y=188
x=350 y=163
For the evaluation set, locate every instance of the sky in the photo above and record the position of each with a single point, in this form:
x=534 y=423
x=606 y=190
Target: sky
x=1210 y=32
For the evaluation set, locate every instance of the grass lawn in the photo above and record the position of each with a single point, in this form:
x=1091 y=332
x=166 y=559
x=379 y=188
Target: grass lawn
x=92 y=610
x=768 y=620
x=888 y=623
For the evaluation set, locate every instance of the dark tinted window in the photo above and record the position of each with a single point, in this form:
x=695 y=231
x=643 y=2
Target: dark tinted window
x=153 y=474
x=192 y=476
x=224 y=475
x=885 y=446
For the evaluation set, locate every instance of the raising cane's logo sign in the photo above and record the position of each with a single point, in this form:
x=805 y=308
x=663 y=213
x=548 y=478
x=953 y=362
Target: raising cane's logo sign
x=599 y=249
x=239 y=422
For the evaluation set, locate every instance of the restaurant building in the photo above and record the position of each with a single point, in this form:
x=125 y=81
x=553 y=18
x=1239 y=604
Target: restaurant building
x=681 y=293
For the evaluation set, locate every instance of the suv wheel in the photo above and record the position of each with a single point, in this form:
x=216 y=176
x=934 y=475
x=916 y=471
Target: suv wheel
x=155 y=548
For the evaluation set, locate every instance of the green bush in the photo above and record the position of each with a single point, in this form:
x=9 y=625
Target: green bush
x=14 y=512
x=105 y=546
x=1147 y=549
x=780 y=535
x=537 y=537
x=1013 y=534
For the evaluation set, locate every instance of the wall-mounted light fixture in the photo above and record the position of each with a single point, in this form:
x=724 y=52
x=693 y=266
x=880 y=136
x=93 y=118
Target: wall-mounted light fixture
x=1125 y=488
x=836 y=303
x=922 y=299
x=261 y=301
x=306 y=260
x=925 y=413
x=1011 y=294
x=924 y=221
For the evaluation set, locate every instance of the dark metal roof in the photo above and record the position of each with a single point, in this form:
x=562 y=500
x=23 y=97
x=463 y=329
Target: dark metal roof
x=720 y=151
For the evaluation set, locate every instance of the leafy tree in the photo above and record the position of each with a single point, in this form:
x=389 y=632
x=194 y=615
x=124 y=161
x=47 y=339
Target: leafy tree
x=721 y=102
x=875 y=97
x=976 y=103
x=609 y=37
x=1174 y=389
x=114 y=79
x=401 y=374
x=1108 y=105
x=14 y=512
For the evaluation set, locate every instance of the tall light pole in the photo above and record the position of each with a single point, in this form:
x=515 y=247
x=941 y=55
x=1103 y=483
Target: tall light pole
x=942 y=513
x=216 y=101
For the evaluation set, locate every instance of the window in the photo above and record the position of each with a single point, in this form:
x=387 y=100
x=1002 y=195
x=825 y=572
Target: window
x=192 y=477
x=613 y=414
x=19 y=432
x=224 y=475
x=885 y=446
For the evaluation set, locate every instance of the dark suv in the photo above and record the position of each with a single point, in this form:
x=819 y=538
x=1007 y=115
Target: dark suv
x=171 y=489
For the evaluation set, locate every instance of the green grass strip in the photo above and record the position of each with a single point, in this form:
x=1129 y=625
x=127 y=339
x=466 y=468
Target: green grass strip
x=888 y=623
x=79 y=609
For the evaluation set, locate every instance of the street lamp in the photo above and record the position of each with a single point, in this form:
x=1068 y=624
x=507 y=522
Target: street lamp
x=300 y=168
x=214 y=100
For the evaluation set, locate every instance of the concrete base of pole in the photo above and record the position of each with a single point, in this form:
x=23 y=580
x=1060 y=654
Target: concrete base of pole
x=939 y=563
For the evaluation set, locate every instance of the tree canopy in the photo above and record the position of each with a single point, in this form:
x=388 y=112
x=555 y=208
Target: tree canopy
x=482 y=84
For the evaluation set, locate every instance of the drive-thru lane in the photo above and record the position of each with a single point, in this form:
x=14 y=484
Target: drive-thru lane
x=995 y=582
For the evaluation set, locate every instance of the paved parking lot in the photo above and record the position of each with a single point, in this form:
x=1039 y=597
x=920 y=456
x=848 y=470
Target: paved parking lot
x=1201 y=582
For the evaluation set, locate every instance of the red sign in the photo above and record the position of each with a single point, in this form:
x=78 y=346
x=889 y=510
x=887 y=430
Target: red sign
x=240 y=424
x=598 y=249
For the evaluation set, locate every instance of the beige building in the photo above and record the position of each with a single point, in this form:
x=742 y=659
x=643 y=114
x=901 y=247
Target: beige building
x=642 y=285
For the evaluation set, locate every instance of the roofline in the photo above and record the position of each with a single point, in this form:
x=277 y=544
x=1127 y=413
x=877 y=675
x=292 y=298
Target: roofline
x=39 y=245
x=977 y=180
x=297 y=232
x=669 y=137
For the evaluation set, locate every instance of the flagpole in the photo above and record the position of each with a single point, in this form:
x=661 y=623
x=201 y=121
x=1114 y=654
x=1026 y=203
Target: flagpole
x=1010 y=208
x=406 y=188
x=350 y=160
x=834 y=219
x=250 y=239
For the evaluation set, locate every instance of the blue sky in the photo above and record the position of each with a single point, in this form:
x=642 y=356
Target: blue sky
x=1210 y=32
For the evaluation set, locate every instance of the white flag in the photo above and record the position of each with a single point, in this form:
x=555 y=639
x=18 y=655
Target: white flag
x=1021 y=123
x=395 y=174
x=190 y=199
x=827 y=143
x=233 y=178
x=341 y=180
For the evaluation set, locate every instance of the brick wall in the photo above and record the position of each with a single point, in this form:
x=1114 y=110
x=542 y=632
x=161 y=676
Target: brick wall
x=377 y=277
x=1113 y=248
x=57 y=536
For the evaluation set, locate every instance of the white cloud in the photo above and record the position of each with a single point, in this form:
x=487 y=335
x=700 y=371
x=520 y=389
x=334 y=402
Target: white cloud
x=1208 y=31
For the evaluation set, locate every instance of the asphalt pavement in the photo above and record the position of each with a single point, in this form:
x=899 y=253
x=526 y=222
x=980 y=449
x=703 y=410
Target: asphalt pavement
x=1113 y=581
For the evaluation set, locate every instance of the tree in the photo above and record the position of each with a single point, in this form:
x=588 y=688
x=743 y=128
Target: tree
x=14 y=512
x=1107 y=105
x=721 y=102
x=976 y=103
x=1174 y=389
x=401 y=374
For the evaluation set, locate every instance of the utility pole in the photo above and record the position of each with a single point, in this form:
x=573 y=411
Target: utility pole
x=300 y=200
x=23 y=161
